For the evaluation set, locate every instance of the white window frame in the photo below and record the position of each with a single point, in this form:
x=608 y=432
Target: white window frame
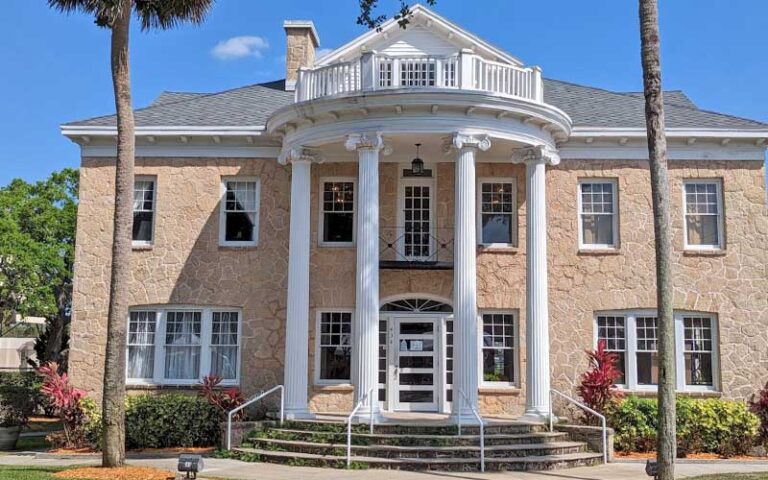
x=321 y=211
x=515 y=347
x=223 y=211
x=720 y=215
x=404 y=182
x=318 y=321
x=580 y=213
x=630 y=329
x=206 y=326
x=479 y=226
x=145 y=178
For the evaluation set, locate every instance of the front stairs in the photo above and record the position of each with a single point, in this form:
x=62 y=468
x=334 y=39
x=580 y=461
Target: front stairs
x=509 y=446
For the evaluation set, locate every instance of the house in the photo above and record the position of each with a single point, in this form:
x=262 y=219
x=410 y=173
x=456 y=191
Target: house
x=421 y=217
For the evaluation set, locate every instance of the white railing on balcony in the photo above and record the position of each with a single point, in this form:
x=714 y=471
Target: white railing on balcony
x=465 y=71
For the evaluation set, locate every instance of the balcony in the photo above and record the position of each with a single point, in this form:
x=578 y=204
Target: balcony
x=415 y=247
x=463 y=71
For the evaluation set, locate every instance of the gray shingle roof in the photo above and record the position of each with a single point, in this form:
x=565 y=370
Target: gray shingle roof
x=587 y=106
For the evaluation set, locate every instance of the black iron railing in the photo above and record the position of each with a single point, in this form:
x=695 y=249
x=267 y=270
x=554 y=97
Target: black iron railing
x=412 y=246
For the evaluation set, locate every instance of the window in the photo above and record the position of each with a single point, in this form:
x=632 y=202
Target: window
x=497 y=222
x=634 y=337
x=143 y=210
x=239 y=212
x=337 y=212
x=181 y=345
x=598 y=219
x=334 y=347
x=703 y=214
x=499 y=348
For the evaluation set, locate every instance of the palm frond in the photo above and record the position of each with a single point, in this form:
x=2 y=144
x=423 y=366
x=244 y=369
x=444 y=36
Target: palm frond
x=104 y=11
x=167 y=14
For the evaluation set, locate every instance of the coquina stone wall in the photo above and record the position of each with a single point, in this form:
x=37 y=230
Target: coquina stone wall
x=186 y=265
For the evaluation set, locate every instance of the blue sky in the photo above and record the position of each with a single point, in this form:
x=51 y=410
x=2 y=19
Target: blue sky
x=55 y=68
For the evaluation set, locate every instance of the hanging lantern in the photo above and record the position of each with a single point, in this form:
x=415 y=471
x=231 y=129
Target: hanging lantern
x=417 y=164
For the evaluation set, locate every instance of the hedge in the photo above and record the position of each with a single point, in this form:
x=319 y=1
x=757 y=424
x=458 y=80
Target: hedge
x=716 y=426
x=172 y=420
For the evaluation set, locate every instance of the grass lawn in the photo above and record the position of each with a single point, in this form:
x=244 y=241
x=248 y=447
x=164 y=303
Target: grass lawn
x=730 y=476
x=27 y=473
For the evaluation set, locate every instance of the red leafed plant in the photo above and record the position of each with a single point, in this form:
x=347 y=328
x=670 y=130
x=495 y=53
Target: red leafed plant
x=66 y=403
x=223 y=398
x=598 y=384
x=758 y=404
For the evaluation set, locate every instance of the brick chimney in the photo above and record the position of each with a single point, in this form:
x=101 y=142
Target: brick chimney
x=302 y=40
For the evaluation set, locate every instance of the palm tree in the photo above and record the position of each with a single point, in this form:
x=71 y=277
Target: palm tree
x=116 y=16
x=657 y=150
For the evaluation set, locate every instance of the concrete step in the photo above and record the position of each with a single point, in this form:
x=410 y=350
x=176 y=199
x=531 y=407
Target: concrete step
x=511 y=427
x=412 y=440
x=409 y=452
x=543 y=462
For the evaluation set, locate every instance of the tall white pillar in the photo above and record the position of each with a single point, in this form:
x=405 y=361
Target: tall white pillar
x=296 y=373
x=365 y=330
x=465 y=338
x=537 y=298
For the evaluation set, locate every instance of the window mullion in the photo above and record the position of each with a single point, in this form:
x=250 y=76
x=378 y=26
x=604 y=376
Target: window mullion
x=159 y=373
x=679 y=352
x=631 y=352
x=205 y=343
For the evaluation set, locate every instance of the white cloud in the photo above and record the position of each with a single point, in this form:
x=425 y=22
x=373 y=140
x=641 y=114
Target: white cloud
x=240 y=47
x=321 y=52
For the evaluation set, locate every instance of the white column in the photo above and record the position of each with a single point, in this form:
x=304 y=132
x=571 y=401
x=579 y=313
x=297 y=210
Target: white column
x=537 y=297
x=296 y=371
x=465 y=338
x=365 y=330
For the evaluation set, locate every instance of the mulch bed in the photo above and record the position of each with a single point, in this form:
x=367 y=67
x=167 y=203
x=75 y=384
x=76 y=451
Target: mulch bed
x=148 y=451
x=691 y=456
x=123 y=473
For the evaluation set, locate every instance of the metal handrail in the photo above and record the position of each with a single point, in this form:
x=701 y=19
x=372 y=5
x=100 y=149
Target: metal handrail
x=482 y=428
x=250 y=402
x=369 y=396
x=584 y=407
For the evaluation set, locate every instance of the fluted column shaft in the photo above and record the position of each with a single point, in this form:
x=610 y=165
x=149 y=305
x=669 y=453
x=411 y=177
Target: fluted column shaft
x=365 y=331
x=297 y=321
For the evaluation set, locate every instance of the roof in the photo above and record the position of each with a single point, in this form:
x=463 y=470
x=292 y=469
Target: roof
x=252 y=105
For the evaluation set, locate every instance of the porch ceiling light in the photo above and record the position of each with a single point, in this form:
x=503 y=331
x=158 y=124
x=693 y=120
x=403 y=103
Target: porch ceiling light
x=417 y=164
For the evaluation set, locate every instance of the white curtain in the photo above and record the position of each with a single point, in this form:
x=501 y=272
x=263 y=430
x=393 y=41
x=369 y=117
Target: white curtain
x=224 y=345
x=182 y=345
x=141 y=341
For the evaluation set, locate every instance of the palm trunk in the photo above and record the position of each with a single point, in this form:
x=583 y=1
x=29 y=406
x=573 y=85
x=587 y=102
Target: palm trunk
x=657 y=149
x=114 y=362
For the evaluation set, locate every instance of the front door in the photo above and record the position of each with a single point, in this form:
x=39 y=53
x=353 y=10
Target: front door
x=416 y=347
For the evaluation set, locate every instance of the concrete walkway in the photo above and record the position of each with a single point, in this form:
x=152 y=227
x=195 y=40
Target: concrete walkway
x=236 y=470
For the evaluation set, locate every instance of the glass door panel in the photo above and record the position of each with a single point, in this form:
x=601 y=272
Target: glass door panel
x=416 y=365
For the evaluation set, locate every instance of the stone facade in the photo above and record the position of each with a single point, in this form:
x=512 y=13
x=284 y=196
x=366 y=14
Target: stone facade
x=186 y=265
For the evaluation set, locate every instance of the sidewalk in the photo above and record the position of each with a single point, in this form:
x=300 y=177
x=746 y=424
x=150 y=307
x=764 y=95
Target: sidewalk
x=236 y=470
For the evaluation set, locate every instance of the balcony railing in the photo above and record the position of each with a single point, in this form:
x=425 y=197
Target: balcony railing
x=411 y=247
x=463 y=71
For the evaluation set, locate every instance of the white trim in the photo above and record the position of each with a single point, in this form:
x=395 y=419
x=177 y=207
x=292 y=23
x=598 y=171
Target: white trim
x=321 y=211
x=715 y=133
x=698 y=151
x=181 y=150
x=630 y=352
x=403 y=182
x=720 y=245
x=516 y=347
x=222 y=211
x=479 y=214
x=615 y=220
x=206 y=325
x=160 y=131
x=318 y=318
x=153 y=179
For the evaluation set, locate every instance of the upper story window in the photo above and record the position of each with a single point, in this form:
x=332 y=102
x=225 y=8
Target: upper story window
x=497 y=216
x=337 y=212
x=143 y=210
x=633 y=336
x=598 y=214
x=181 y=345
x=334 y=347
x=703 y=207
x=239 y=224
x=499 y=348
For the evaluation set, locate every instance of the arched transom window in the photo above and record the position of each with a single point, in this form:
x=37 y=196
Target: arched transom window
x=416 y=305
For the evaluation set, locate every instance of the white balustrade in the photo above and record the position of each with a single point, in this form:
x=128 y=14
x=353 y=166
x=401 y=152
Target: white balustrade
x=465 y=71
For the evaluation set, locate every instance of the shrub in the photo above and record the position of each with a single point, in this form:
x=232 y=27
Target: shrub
x=224 y=399
x=29 y=380
x=758 y=404
x=16 y=405
x=709 y=426
x=66 y=403
x=598 y=384
x=172 y=420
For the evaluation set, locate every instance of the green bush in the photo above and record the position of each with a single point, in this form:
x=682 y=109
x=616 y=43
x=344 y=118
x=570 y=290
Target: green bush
x=29 y=380
x=711 y=426
x=16 y=406
x=172 y=420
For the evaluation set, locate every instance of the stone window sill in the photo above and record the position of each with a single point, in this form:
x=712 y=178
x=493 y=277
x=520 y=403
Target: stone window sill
x=681 y=393
x=599 y=251
x=497 y=249
x=704 y=253
x=140 y=247
x=237 y=248
x=500 y=390
x=342 y=387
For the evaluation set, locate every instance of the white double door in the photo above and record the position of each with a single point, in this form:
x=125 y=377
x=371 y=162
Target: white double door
x=417 y=359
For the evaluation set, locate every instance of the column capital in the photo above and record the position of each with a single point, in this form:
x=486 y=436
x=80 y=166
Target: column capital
x=299 y=154
x=463 y=140
x=367 y=141
x=536 y=154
